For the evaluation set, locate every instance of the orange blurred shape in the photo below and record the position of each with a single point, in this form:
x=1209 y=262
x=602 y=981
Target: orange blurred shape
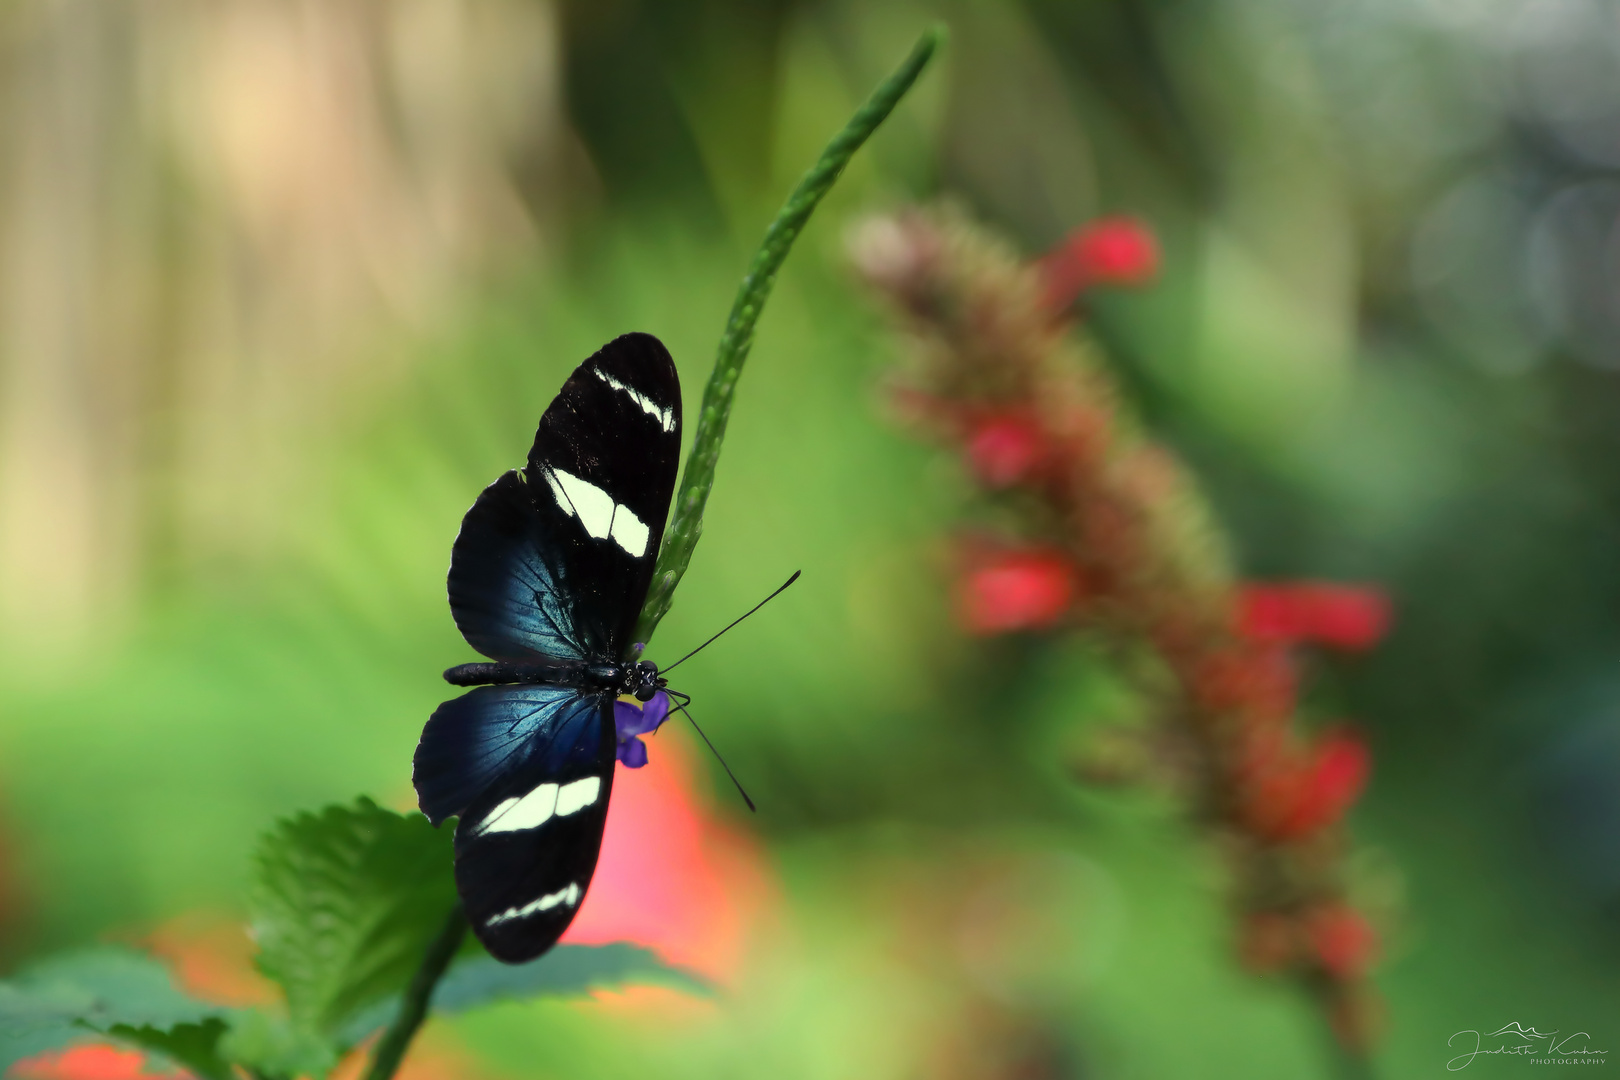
x=671 y=876
x=95 y=1061
x=1351 y=617
x=432 y=1056
x=1016 y=590
x=212 y=959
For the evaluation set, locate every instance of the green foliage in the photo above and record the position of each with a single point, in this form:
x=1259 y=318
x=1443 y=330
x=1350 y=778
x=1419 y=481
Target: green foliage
x=344 y=904
x=111 y=991
x=194 y=1046
x=565 y=971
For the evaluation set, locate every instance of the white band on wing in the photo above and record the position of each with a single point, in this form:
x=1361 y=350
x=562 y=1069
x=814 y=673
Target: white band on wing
x=597 y=512
x=569 y=896
x=537 y=807
x=665 y=417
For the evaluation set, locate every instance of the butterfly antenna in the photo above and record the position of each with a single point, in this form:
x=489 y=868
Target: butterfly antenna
x=734 y=622
x=716 y=753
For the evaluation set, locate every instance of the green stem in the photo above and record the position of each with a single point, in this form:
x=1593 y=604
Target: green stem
x=687 y=523
x=414 y=1006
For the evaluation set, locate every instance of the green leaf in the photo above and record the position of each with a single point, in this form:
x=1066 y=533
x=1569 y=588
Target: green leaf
x=344 y=903
x=54 y=1004
x=566 y=971
x=194 y=1047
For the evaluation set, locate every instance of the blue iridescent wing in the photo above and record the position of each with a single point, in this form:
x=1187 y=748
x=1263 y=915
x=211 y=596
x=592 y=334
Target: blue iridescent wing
x=471 y=741
x=554 y=560
x=529 y=770
x=507 y=589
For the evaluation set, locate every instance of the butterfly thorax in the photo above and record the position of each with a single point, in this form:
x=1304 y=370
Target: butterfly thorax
x=640 y=679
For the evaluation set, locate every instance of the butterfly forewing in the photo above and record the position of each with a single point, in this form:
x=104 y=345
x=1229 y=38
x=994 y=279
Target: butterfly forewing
x=601 y=471
x=508 y=591
x=554 y=561
x=549 y=573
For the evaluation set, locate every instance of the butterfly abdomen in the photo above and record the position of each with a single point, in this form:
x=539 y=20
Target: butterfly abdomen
x=485 y=674
x=639 y=679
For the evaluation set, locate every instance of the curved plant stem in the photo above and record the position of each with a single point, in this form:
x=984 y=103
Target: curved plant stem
x=413 y=1006
x=698 y=477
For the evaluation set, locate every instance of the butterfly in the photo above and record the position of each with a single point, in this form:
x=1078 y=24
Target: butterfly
x=547 y=578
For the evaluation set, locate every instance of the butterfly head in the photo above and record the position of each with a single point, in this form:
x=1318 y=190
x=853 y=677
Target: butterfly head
x=642 y=680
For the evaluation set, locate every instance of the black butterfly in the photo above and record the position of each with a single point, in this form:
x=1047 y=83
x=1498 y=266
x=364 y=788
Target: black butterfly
x=547 y=578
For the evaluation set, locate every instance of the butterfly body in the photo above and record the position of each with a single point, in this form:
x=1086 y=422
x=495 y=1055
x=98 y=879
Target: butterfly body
x=639 y=680
x=547 y=579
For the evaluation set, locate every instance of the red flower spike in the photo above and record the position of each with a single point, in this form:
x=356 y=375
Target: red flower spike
x=1017 y=590
x=1004 y=448
x=1346 y=617
x=1343 y=942
x=1108 y=251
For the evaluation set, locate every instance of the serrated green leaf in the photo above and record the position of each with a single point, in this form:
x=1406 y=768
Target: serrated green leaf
x=194 y=1047
x=568 y=970
x=344 y=904
x=59 y=1001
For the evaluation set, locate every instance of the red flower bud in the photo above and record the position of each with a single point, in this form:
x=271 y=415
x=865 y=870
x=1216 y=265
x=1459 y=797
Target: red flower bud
x=1004 y=448
x=1287 y=799
x=1340 y=616
x=1016 y=590
x=1108 y=251
x=1338 y=775
x=1342 y=941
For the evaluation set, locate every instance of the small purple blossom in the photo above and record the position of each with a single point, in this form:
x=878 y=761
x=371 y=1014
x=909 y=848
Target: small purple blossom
x=632 y=720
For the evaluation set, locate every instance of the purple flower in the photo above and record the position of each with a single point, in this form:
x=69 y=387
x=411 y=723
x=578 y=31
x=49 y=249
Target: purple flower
x=633 y=720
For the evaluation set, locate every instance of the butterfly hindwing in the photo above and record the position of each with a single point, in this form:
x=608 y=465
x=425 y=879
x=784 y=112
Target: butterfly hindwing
x=472 y=741
x=526 y=846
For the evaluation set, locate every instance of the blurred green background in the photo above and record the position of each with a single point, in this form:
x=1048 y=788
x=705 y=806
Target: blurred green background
x=283 y=285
